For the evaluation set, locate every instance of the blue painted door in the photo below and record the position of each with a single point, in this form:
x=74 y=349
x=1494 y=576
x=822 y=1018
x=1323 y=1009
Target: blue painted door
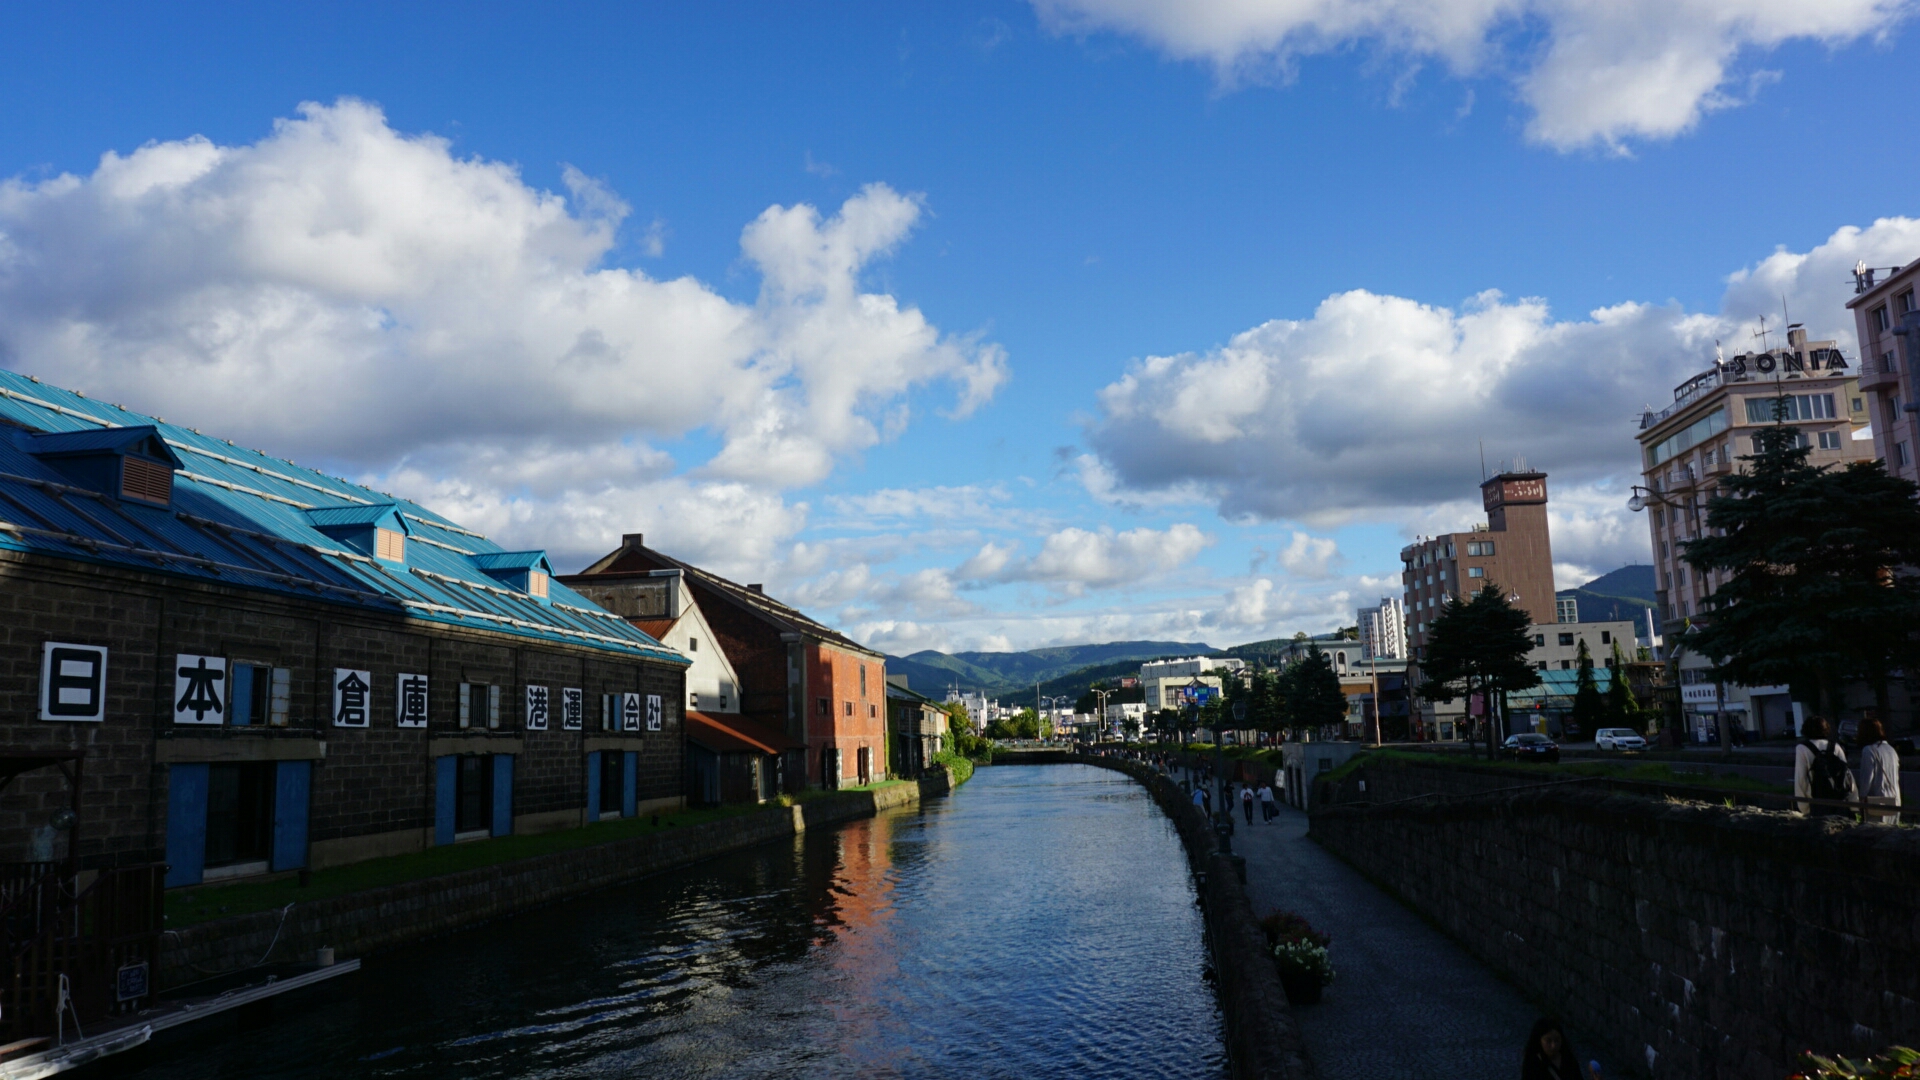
x=292 y=788
x=503 y=794
x=629 y=769
x=446 y=780
x=186 y=824
x=593 y=786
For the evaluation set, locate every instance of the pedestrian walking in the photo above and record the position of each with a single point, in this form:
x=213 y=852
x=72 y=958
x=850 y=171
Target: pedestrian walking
x=1820 y=771
x=1200 y=800
x=1267 y=809
x=1879 y=774
x=1246 y=802
x=1549 y=1055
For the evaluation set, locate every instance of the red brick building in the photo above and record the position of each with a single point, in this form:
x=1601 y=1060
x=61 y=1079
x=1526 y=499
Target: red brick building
x=822 y=688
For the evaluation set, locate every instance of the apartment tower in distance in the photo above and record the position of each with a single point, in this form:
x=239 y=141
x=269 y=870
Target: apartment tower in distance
x=1511 y=551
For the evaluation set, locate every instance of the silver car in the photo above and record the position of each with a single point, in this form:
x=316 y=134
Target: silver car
x=1618 y=738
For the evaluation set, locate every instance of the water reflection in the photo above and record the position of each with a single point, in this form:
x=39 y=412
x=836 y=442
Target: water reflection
x=1038 y=923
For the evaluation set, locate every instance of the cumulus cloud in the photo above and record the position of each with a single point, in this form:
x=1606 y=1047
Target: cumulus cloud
x=1592 y=71
x=1376 y=406
x=342 y=290
x=1075 y=559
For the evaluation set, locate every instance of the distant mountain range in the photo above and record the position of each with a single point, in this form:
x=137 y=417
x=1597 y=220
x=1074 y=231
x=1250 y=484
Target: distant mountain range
x=1619 y=596
x=1622 y=595
x=1013 y=674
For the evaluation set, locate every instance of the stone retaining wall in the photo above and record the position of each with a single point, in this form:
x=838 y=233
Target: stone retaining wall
x=1701 y=940
x=359 y=924
x=1262 y=1041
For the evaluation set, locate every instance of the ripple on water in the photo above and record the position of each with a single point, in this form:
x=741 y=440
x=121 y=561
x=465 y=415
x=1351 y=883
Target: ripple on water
x=1039 y=923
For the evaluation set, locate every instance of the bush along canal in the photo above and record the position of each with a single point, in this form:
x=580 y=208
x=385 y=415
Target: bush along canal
x=1041 y=922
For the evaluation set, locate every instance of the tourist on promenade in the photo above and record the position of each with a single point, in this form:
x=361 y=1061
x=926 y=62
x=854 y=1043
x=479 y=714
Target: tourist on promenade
x=1200 y=800
x=1246 y=801
x=1820 y=771
x=1879 y=773
x=1267 y=809
x=1549 y=1055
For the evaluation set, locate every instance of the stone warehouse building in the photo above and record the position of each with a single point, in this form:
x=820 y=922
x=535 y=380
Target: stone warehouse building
x=823 y=694
x=261 y=668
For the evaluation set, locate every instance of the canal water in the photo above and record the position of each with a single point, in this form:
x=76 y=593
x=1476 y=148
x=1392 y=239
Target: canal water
x=1038 y=923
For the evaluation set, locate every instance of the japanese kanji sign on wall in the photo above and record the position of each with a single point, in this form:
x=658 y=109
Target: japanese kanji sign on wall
x=654 y=712
x=199 y=689
x=573 y=709
x=537 y=702
x=410 y=701
x=73 y=682
x=629 y=712
x=352 y=697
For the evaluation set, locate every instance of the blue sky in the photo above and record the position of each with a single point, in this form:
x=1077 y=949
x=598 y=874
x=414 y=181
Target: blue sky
x=1108 y=318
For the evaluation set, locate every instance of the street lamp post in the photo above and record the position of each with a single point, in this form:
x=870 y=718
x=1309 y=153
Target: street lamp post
x=1642 y=498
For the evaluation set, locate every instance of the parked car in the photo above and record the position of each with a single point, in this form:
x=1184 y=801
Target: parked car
x=1618 y=738
x=1530 y=748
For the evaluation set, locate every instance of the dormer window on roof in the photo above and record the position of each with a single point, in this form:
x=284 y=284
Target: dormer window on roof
x=528 y=571
x=379 y=530
x=123 y=463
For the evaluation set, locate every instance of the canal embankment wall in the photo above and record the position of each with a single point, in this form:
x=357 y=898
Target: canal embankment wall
x=1263 y=1042
x=1700 y=939
x=362 y=923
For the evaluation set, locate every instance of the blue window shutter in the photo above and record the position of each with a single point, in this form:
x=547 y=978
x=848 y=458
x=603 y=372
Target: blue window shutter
x=593 y=786
x=292 y=785
x=503 y=794
x=240 y=695
x=628 y=769
x=445 y=776
x=186 y=824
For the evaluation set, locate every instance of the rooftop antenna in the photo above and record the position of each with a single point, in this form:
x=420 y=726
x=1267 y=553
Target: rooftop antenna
x=1483 y=461
x=1762 y=334
x=1719 y=356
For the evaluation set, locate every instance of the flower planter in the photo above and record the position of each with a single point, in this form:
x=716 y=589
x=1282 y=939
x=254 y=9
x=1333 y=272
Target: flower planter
x=1302 y=988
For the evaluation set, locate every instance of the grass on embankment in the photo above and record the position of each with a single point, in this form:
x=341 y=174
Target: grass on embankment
x=204 y=903
x=1652 y=772
x=959 y=764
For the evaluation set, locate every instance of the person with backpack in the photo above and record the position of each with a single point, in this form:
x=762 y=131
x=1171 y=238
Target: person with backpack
x=1820 y=771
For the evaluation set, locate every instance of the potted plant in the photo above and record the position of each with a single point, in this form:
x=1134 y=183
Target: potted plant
x=1300 y=955
x=1893 y=1063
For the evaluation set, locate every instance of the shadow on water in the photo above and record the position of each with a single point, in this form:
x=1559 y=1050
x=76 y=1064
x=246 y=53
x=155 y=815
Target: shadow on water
x=1038 y=923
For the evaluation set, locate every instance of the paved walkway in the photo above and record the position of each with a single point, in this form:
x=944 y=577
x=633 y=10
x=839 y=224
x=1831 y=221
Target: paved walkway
x=1406 y=1003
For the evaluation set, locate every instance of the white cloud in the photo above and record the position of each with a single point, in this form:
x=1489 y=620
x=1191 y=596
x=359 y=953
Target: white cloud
x=1308 y=556
x=345 y=291
x=1075 y=559
x=1376 y=406
x=1247 y=604
x=1592 y=71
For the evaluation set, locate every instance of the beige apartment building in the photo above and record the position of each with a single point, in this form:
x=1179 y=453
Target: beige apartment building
x=1888 y=325
x=1688 y=447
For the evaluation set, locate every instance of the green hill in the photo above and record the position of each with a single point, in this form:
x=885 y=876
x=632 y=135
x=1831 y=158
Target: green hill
x=1060 y=670
x=1624 y=594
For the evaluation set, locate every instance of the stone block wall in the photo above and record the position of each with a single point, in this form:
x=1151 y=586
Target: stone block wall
x=1701 y=940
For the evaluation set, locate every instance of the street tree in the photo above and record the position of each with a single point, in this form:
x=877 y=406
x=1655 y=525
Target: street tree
x=1589 y=708
x=1623 y=710
x=1816 y=574
x=1313 y=695
x=1478 y=647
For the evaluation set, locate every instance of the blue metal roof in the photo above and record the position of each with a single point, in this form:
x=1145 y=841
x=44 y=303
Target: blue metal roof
x=385 y=515
x=140 y=439
x=514 y=560
x=242 y=518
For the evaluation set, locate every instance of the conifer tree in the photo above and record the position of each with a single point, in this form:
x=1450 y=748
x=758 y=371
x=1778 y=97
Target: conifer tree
x=1589 y=708
x=1480 y=646
x=1818 y=573
x=1623 y=710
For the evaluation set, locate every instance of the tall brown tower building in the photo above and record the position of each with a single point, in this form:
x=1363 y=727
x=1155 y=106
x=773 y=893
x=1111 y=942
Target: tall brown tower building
x=1511 y=550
